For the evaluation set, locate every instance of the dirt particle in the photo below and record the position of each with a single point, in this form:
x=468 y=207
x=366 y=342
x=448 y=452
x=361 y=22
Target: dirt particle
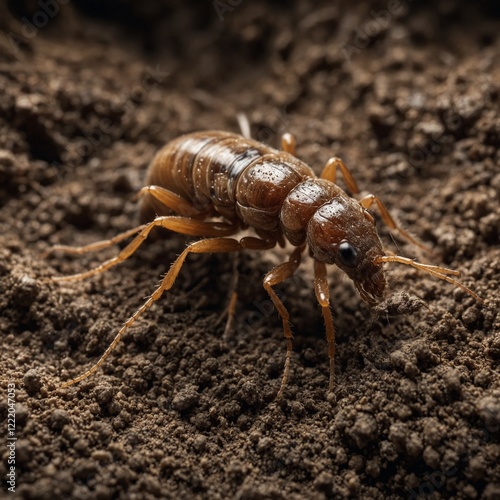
x=470 y=491
x=23 y=451
x=494 y=347
x=373 y=467
x=492 y=491
x=104 y=394
x=264 y=444
x=414 y=445
x=202 y=421
x=483 y=378
x=364 y=430
x=324 y=482
x=84 y=469
x=70 y=434
x=102 y=456
x=408 y=390
x=477 y=467
x=105 y=397
x=25 y=291
x=58 y=419
x=249 y=394
x=22 y=414
x=397 y=435
x=118 y=451
x=398 y=304
x=168 y=464
x=32 y=381
x=353 y=484
x=411 y=369
x=488 y=409
x=236 y=471
x=232 y=409
x=388 y=451
x=185 y=399
x=431 y=457
x=471 y=316
x=258 y=492
x=452 y=380
x=356 y=463
x=150 y=484
x=297 y=409
x=341 y=456
x=433 y=432
x=200 y=443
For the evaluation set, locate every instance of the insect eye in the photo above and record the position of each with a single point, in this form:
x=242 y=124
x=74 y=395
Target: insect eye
x=348 y=255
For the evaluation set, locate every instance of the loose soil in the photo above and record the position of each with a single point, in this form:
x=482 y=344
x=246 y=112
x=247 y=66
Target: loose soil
x=407 y=95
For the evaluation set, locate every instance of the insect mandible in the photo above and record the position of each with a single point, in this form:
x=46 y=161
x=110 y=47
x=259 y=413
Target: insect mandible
x=213 y=184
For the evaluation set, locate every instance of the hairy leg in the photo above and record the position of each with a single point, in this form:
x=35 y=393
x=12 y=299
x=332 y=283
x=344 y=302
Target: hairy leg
x=368 y=201
x=275 y=276
x=323 y=296
x=330 y=173
x=183 y=225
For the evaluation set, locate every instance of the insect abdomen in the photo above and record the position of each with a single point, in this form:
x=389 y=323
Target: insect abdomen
x=202 y=168
x=225 y=174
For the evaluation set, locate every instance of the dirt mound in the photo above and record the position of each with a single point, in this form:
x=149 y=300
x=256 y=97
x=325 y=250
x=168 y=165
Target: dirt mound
x=407 y=95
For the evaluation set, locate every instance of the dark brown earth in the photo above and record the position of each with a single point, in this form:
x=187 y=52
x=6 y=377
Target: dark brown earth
x=407 y=94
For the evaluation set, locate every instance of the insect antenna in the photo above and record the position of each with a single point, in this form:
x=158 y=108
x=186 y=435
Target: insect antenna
x=442 y=273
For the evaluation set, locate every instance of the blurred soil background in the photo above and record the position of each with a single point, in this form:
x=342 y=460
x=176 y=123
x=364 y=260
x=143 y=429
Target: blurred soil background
x=407 y=93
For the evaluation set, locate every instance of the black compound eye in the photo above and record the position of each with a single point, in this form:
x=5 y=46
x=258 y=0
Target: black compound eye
x=348 y=255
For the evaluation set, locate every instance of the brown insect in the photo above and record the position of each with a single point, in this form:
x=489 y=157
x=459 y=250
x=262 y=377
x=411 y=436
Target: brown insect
x=213 y=184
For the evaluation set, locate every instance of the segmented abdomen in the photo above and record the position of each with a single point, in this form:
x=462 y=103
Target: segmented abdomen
x=221 y=173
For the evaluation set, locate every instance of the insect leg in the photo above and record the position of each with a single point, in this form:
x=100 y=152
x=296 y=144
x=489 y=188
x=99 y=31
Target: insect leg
x=181 y=225
x=93 y=247
x=231 y=306
x=275 y=276
x=170 y=199
x=323 y=296
x=368 y=201
x=212 y=245
x=288 y=143
x=250 y=243
x=244 y=125
x=330 y=173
